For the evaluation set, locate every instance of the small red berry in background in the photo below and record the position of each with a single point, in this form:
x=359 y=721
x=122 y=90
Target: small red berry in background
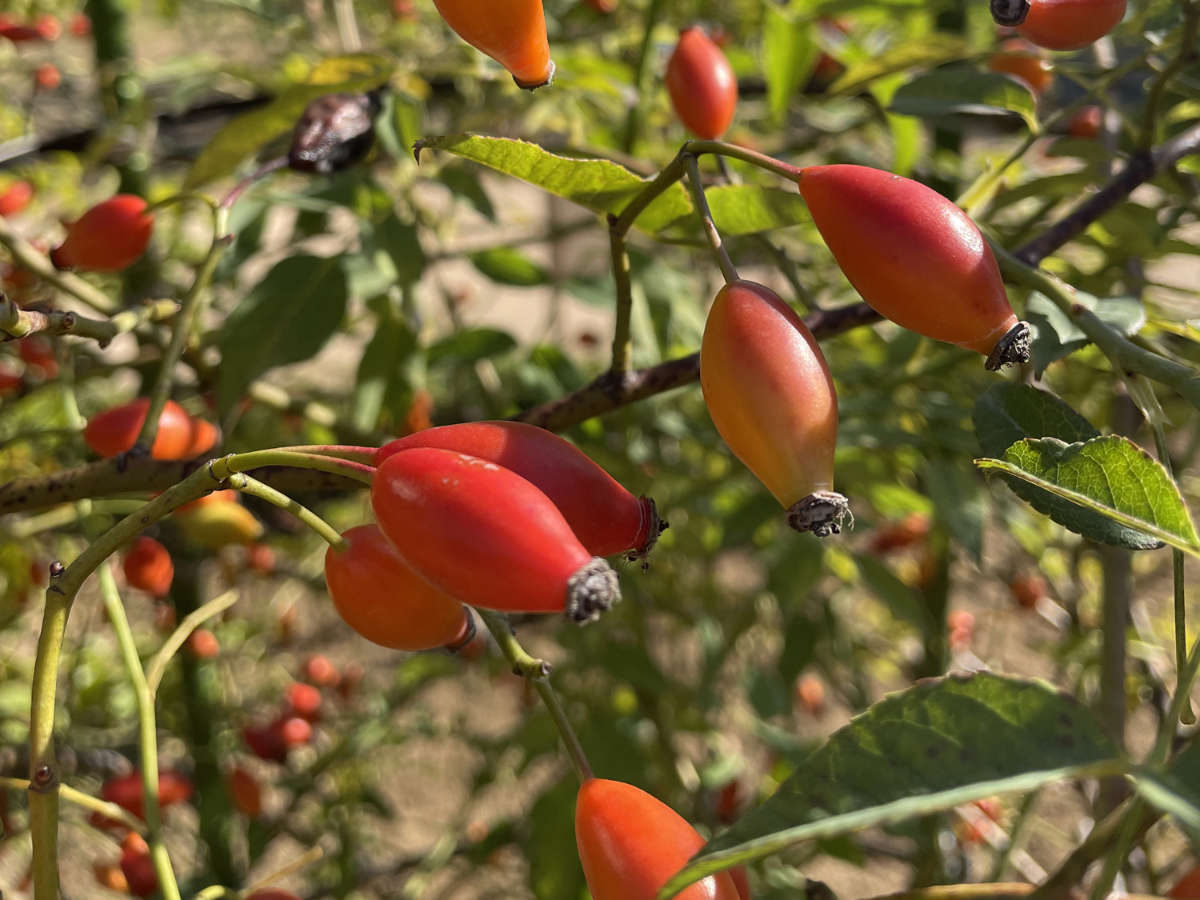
x=203 y=644
x=39 y=573
x=730 y=801
x=352 y=676
x=1027 y=588
x=148 y=566
x=961 y=626
x=38 y=353
x=137 y=866
x=1086 y=122
x=1070 y=24
x=245 y=792
x=10 y=382
x=202 y=438
x=80 y=25
x=321 y=672
x=126 y=791
x=602 y=6
x=115 y=430
x=303 y=700
x=260 y=558
x=1023 y=61
x=109 y=875
x=272 y=894
x=46 y=77
x=109 y=237
x=48 y=27
x=14 y=197
x=294 y=731
x=810 y=694
x=265 y=742
x=1187 y=887
x=403 y=10
x=701 y=84
x=897 y=535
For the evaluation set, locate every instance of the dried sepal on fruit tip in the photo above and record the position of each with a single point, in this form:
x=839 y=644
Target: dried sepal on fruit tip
x=821 y=512
x=591 y=591
x=1013 y=348
x=1009 y=13
x=533 y=86
x=655 y=526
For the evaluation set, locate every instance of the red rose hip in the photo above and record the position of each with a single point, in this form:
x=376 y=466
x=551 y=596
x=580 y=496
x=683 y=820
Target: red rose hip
x=605 y=517
x=109 y=237
x=701 y=84
x=487 y=536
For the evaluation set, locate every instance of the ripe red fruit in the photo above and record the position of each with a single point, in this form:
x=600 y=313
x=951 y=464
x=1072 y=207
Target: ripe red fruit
x=605 y=517
x=203 y=644
x=115 y=430
x=741 y=881
x=1086 y=122
x=137 y=866
x=202 y=437
x=245 y=793
x=730 y=800
x=303 y=700
x=321 y=672
x=1070 y=24
x=109 y=875
x=1028 y=588
x=916 y=258
x=1023 y=61
x=48 y=27
x=38 y=352
x=810 y=693
x=10 y=382
x=81 y=25
x=897 y=535
x=109 y=237
x=265 y=742
x=512 y=32
x=379 y=595
x=486 y=536
x=15 y=197
x=769 y=392
x=148 y=566
x=630 y=843
x=602 y=6
x=126 y=790
x=702 y=85
x=47 y=77
x=294 y=731
x=1187 y=887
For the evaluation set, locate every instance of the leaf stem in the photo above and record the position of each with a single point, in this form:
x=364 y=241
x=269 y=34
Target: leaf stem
x=753 y=157
x=192 y=621
x=147 y=734
x=711 y=234
x=538 y=673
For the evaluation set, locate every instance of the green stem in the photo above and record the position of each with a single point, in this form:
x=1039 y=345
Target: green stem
x=87 y=801
x=538 y=672
x=655 y=187
x=256 y=488
x=147 y=734
x=711 y=234
x=1122 y=351
x=191 y=309
x=16 y=322
x=641 y=79
x=339 y=451
x=622 y=355
x=29 y=257
x=1154 y=95
x=753 y=157
x=240 y=462
x=192 y=621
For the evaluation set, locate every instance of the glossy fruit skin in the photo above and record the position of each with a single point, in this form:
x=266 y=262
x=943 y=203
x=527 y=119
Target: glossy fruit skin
x=15 y=197
x=109 y=237
x=769 y=392
x=202 y=438
x=440 y=508
x=701 y=84
x=914 y=256
x=512 y=32
x=379 y=595
x=630 y=843
x=741 y=881
x=1023 y=61
x=115 y=431
x=148 y=566
x=605 y=517
x=1070 y=24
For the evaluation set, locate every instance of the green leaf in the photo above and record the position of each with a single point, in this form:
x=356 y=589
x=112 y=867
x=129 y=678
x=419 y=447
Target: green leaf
x=470 y=345
x=244 y=135
x=606 y=187
x=955 y=489
x=287 y=317
x=507 y=265
x=1109 y=475
x=382 y=368
x=939 y=744
x=1177 y=790
x=1056 y=335
x=947 y=92
x=903 y=601
x=927 y=51
x=1007 y=413
x=398 y=240
x=789 y=57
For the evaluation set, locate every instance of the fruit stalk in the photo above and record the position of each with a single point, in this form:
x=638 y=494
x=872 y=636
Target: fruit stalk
x=242 y=482
x=711 y=234
x=147 y=733
x=538 y=673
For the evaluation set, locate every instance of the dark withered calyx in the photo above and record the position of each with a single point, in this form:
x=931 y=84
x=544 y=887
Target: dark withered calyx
x=334 y=132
